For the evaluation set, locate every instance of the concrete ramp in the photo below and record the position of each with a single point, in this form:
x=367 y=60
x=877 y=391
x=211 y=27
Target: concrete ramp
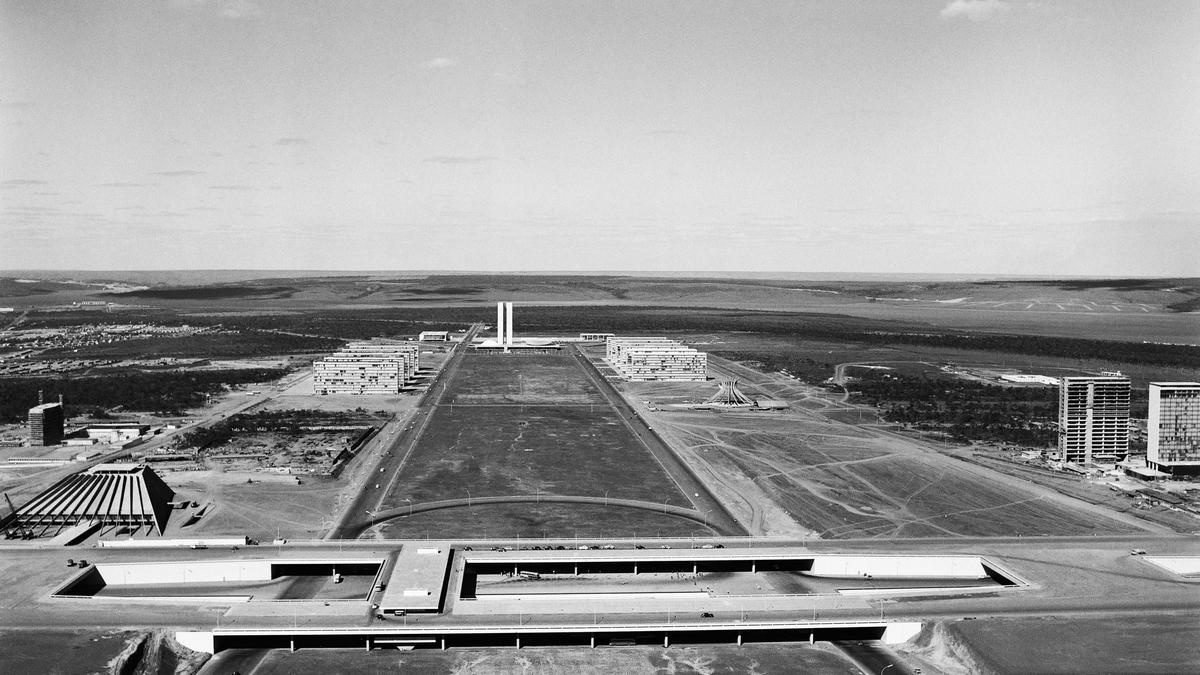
x=898 y=567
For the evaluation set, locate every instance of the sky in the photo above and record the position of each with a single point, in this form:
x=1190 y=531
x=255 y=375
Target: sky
x=931 y=136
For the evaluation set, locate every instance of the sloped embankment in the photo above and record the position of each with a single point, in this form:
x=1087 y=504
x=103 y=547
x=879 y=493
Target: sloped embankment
x=940 y=648
x=157 y=653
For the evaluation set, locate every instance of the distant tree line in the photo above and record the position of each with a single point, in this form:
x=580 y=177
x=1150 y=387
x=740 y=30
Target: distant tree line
x=813 y=326
x=968 y=411
x=802 y=368
x=239 y=344
x=359 y=324
x=168 y=393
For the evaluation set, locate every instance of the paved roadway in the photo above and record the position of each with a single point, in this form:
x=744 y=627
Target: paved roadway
x=421 y=507
x=873 y=657
x=691 y=485
x=359 y=514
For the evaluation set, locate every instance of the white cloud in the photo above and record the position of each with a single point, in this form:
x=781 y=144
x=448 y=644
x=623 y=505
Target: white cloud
x=239 y=9
x=975 y=10
x=229 y=9
x=509 y=78
x=439 y=62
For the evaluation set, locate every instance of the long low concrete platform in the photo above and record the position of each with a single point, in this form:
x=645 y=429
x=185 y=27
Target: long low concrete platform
x=524 y=635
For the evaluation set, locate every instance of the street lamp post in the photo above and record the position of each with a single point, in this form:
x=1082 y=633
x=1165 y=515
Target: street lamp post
x=409 y=505
x=468 y=497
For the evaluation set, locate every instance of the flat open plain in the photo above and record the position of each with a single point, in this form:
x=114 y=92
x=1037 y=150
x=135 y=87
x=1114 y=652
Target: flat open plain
x=841 y=480
x=513 y=425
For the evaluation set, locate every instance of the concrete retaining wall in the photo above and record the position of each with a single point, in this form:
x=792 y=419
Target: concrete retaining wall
x=165 y=543
x=195 y=572
x=898 y=567
x=196 y=640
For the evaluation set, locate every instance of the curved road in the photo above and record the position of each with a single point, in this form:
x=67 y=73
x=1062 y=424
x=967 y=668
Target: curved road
x=402 y=511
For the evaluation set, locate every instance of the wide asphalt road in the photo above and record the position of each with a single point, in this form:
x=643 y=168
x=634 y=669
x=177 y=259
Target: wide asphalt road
x=691 y=485
x=357 y=516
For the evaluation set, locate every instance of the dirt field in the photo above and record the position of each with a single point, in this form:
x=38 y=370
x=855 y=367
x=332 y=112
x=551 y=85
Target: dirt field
x=537 y=380
x=60 y=652
x=514 y=449
x=1124 y=644
x=541 y=520
x=764 y=659
x=501 y=451
x=846 y=481
x=269 y=505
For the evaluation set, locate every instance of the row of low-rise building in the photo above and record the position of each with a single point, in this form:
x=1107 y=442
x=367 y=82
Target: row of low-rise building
x=1093 y=421
x=645 y=359
x=375 y=367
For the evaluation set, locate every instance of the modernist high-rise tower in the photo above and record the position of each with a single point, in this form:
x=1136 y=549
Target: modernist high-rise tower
x=1093 y=418
x=504 y=324
x=46 y=424
x=1173 y=427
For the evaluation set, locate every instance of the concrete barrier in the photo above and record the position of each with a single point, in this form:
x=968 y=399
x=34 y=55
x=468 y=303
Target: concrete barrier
x=898 y=566
x=899 y=633
x=1184 y=566
x=193 y=572
x=566 y=597
x=167 y=543
x=196 y=640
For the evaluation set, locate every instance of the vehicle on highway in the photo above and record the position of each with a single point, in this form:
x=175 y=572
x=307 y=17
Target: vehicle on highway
x=1137 y=551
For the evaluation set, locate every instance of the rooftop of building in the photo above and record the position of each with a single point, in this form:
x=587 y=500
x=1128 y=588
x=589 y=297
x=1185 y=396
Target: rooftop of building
x=115 y=467
x=45 y=406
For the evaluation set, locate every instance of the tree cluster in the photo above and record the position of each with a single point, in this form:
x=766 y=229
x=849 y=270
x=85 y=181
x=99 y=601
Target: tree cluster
x=166 y=393
x=968 y=411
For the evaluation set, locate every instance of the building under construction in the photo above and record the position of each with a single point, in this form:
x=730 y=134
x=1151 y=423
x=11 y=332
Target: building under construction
x=46 y=423
x=121 y=495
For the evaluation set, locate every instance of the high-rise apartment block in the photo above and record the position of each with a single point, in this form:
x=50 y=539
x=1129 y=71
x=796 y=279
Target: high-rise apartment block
x=644 y=359
x=1093 y=418
x=46 y=424
x=380 y=368
x=1173 y=427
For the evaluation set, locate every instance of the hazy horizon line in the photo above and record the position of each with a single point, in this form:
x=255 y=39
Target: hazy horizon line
x=732 y=274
